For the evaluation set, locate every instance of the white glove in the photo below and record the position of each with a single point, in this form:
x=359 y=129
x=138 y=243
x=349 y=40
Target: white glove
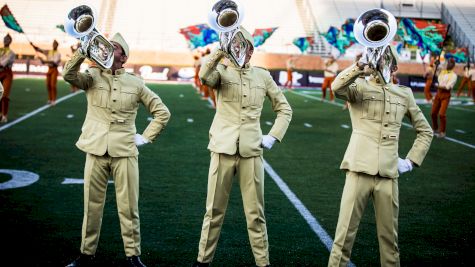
x=140 y=140
x=268 y=141
x=404 y=165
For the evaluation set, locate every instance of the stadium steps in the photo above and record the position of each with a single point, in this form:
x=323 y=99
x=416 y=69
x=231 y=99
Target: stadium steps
x=461 y=18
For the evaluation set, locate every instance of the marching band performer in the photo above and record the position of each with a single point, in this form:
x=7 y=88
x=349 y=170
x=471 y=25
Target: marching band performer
x=110 y=142
x=7 y=57
x=447 y=79
x=329 y=73
x=236 y=145
x=53 y=59
x=371 y=161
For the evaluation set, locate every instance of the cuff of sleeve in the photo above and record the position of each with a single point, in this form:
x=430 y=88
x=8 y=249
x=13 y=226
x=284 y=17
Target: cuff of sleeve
x=417 y=160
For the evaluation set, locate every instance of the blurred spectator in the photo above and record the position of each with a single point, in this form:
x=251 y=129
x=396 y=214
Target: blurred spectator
x=7 y=56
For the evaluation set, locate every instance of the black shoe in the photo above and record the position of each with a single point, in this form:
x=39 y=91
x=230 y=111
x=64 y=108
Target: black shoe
x=82 y=260
x=134 y=261
x=200 y=264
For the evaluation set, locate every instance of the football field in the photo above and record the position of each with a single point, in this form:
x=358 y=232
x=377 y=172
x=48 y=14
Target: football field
x=41 y=215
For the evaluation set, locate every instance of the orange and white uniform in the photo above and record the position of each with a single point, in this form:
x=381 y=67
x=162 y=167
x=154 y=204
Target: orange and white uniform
x=329 y=74
x=290 y=69
x=429 y=75
x=52 y=75
x=447 y=80
x=466 y=80
x=472 y=82
x=7 y=57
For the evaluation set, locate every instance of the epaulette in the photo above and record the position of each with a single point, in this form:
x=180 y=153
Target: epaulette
x=261 y=68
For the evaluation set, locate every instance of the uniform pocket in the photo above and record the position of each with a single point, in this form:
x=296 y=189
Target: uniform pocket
x=100 y=95
x=229 y=91
x=398 y=109
x=129 y=99
x=258 y=93
x=372 y=106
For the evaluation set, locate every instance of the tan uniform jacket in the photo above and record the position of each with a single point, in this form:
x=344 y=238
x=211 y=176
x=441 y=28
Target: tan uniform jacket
x=376 y=113
x=112 y=103
x=240 y=96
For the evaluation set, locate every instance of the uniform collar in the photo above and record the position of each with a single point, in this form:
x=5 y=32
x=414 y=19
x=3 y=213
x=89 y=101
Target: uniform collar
x=117 y=72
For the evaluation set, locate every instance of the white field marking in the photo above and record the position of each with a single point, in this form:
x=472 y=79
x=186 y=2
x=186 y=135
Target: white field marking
x=404 y=123
x=70 y=116
x=308 y=125
x=34 y=112
x=19 y=179
x=460 y=131
x=77 y=181
x=190 y=120
x=446 y=137
x=346 y=126
x=268 y=123
x=306 y=214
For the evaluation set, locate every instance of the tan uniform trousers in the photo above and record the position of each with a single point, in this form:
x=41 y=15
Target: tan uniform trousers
x=250 y=173
x=126 y=180
x=359 y=188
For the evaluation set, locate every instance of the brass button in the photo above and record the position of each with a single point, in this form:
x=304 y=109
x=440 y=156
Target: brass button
x=385 y=125
x=373 y=97
x=342 y=78
x=387 y=99
x=115 y=89
x=113 y=112
x=387 y=112
x=242 y=119
x=244 y=95
x=243 y=107
x=113 y=100
x=244 y=84
x=384 y=137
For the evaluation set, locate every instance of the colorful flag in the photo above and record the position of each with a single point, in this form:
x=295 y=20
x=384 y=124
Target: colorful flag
x=341 y=39
x=426 y=35
x=199 y=35
x=9 y=20
x=261 y=35
x=61 y=27
x=303 y=43
x=460 y=55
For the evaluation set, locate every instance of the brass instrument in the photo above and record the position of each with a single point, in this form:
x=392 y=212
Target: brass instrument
x=225 y=18
x=375 y=29
x=80 y=23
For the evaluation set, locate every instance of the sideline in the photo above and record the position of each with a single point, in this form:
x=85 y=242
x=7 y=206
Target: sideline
x=404 y=123
x=34 y=112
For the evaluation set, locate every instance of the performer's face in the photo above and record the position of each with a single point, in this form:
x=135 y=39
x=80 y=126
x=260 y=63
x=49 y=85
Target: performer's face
x=7 y=40
x=55 y=45
x=249 y=52
x=119 y=54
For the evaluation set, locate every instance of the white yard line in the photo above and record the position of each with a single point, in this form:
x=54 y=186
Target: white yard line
x=405 y=124
x=34 y=112
x=306 y=214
